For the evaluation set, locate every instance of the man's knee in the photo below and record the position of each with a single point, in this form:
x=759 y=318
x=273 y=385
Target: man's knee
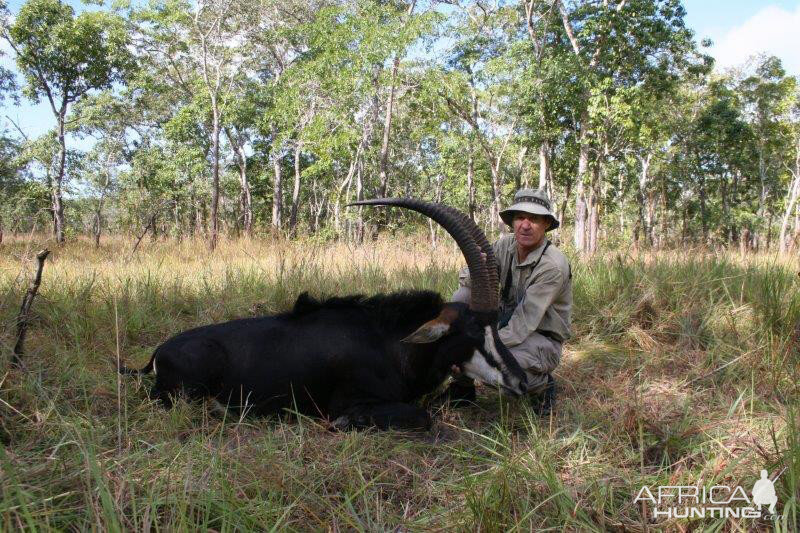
x=538 y=357
x=538 y=354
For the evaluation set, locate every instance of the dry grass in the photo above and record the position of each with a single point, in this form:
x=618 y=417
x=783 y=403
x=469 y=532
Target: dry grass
x=683 y=371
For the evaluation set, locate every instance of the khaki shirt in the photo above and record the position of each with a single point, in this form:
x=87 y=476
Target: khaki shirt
x=544 y=293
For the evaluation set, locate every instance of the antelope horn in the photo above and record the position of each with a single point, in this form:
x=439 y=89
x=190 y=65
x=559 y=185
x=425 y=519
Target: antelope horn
x=483 y=273
x=492 y=269
x=471 y=240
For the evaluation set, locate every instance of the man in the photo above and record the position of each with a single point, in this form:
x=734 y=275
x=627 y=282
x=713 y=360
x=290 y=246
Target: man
x=536 y=298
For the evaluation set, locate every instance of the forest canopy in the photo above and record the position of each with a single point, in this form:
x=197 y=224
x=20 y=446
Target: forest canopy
x=237 y=118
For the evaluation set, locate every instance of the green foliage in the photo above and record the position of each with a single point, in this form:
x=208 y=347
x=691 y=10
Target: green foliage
x=22 y=201
x=63 y=56
x=509 y=93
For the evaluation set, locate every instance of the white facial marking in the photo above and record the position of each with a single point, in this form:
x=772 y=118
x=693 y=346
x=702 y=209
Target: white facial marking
x=478 y=368
x=154 y=366
x=487 y=373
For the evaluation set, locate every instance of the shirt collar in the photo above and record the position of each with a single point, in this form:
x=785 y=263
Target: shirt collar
x=533 y=256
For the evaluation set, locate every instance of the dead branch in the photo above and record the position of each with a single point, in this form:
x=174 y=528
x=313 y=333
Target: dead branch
x=150 y=224
x=144 y=231
x=24 y=312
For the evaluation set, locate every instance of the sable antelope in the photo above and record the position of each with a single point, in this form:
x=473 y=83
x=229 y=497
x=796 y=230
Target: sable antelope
x=360 y=361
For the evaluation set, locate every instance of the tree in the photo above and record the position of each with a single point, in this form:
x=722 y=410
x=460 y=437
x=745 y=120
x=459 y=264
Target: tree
x=793 y=166
x=107 y=118
x=767 y=95
x=203 y=48
x=62 y=57
x=616 y=41
x=478 y=90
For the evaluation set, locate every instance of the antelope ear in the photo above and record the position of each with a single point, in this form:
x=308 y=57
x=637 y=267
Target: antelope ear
x=435 y=329
x=428 y=332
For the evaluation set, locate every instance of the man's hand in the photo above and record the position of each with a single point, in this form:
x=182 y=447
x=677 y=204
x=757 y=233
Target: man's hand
x=455 y=370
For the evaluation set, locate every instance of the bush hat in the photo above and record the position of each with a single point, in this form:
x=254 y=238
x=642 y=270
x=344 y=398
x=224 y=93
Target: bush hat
x=533 y=201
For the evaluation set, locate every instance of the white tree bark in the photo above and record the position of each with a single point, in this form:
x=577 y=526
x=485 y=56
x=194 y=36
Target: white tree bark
x=794 y=192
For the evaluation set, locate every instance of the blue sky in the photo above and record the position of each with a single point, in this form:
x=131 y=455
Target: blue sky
x=738 y=28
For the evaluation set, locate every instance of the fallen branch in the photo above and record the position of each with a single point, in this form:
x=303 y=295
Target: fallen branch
x=24 y=312
x=144 y=232
x=150 y=224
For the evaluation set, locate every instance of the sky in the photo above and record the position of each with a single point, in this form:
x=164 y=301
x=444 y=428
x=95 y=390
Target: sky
x=739 y=29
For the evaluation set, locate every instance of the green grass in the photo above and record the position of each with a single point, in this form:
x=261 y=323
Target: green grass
x=684 y=370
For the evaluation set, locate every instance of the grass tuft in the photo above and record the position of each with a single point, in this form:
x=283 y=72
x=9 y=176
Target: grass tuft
x=683 y=370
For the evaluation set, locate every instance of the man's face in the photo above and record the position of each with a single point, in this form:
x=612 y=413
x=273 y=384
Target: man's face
x=529 y=229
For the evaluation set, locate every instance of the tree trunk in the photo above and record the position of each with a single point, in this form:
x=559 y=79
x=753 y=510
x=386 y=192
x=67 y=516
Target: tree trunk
x=703 y=214
x=212 y=238
x=387 y=123
x=245 y=199
x=796 y=237
x=277 y=189
x=56 y=192
x=98 y=219
x=794 y=191
x=622 y=203
x=643 y=200
x=471 y=183
x=744 y=241
x=726 y=228
x=387 y=126
x=518 y=179
x=790 y=205
x=295 y=189
x=769 y=229
x=154 y=227
x=662 y=238
x=176 y=219
x=580 y=192
x=684 y=222
x=594 y=224
x=471 y=158
x=562 y=213
x=651 y=218
x=366 y=134
x=544 y=165
x=497 y=187
x=762 y=199
x=437 y=197
x=593 y=211
x=98 y=223
x=359 y=235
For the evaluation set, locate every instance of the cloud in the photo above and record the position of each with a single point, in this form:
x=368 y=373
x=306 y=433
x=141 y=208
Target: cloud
x=772 y=30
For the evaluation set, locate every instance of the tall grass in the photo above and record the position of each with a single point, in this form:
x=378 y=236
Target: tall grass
x=683 y=370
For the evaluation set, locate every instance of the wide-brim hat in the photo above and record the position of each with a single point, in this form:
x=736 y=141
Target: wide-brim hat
x=533 y=201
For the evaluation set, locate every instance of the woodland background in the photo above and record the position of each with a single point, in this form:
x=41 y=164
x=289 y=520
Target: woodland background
x=182 y=125
x=236 y=117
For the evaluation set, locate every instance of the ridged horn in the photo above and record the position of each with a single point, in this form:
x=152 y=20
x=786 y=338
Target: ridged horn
x=492 y=267
x=484 y=284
